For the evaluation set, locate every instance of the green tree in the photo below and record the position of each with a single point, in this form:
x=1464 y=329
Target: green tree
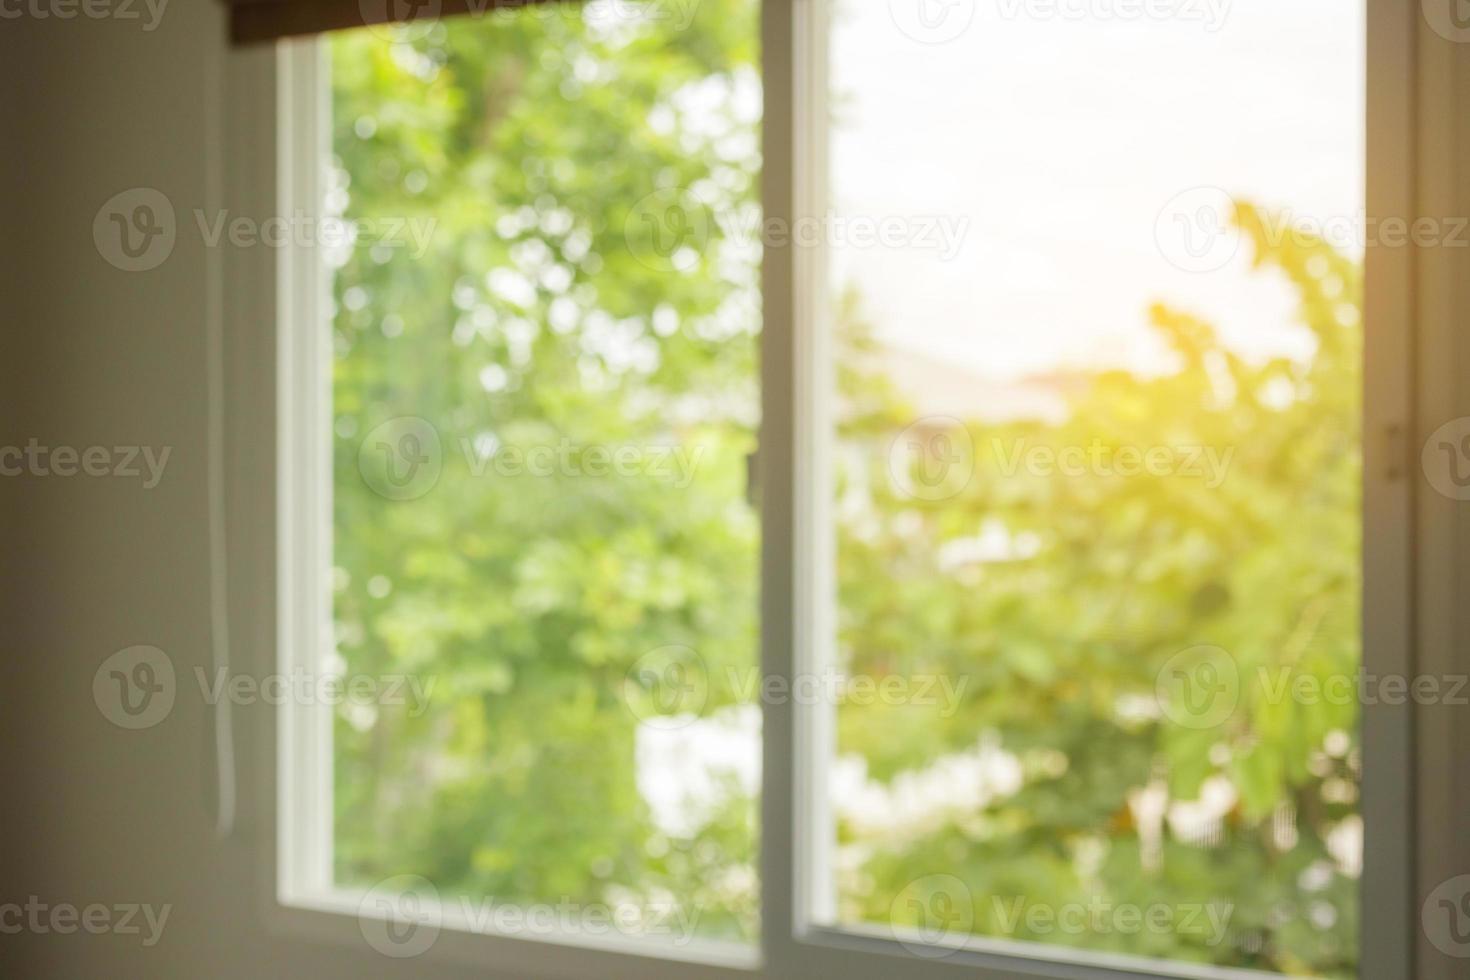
x=550 y=311
x=1064 y=647
x=529 y=324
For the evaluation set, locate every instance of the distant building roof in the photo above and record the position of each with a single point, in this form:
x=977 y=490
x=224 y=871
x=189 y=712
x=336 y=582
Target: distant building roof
x=937 y=387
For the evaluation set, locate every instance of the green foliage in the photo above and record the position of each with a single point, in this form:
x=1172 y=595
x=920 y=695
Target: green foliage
x=535 y=318
x=1121 y=573
x=528 y=598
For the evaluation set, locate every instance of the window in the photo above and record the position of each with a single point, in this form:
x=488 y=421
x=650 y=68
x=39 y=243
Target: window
x=541 y=398
x=1096 y=481
x=832 y=489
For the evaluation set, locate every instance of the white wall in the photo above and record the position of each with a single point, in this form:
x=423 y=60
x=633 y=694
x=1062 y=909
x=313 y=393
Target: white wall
x=90 y=355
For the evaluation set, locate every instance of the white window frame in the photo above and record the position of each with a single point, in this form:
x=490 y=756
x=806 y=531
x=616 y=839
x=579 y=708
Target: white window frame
x=796 y=564
x=306 y=900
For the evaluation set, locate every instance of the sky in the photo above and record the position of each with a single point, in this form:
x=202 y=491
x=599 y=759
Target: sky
x=1056 y=135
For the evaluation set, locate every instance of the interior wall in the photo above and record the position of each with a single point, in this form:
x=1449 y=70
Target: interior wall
x=100 y=357
x=11 y=660
x=91 y=355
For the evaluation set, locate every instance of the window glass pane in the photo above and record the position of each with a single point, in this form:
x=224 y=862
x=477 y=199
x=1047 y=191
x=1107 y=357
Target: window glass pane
x=543 y=398
x=1096 y=284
